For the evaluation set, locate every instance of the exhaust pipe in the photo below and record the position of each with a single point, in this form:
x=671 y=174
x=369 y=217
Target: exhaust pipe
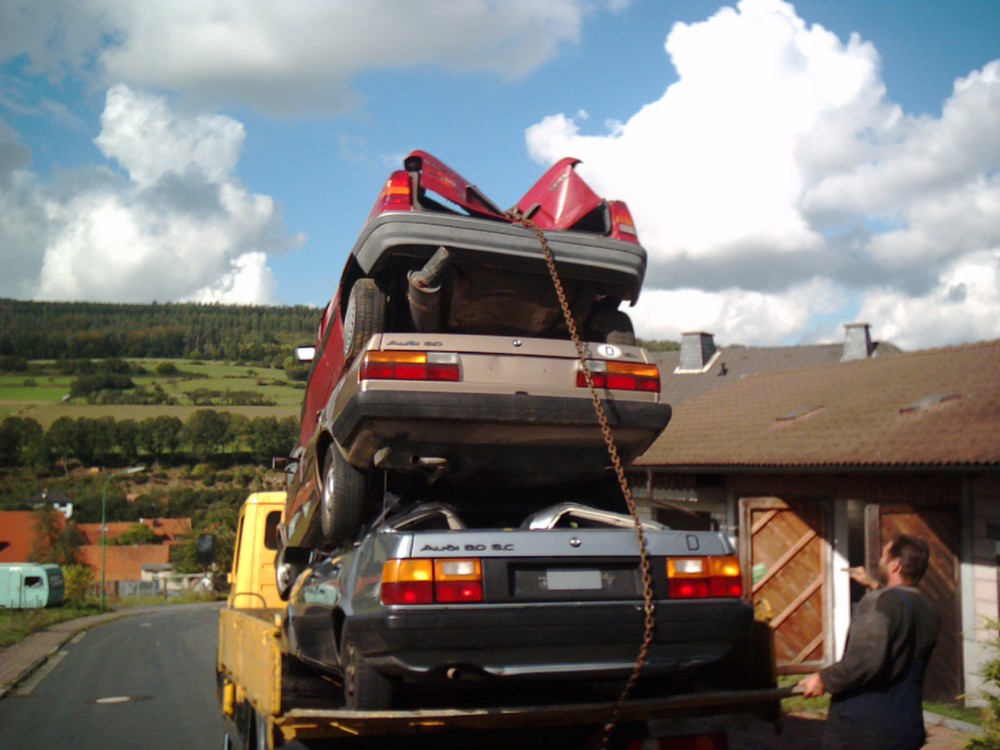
x=424 y=294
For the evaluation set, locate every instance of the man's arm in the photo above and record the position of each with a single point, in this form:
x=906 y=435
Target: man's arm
x=867 y=648
x=867 y=645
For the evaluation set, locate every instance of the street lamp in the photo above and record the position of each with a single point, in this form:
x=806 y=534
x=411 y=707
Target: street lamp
x=104 y=511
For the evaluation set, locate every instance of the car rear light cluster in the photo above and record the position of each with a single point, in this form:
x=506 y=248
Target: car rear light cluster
x=432 y=581
x=621 y=376
x=407 y=365
x=622 y=225
x=395 y=196
x=704 y=577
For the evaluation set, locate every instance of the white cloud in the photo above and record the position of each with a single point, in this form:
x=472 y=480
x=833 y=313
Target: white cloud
x=297 y=55
x=180 y=226
x=777 y=179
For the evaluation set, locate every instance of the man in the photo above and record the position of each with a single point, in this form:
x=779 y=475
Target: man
x=877 y=686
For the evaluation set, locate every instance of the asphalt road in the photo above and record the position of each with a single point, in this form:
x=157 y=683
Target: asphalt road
x=146 y=681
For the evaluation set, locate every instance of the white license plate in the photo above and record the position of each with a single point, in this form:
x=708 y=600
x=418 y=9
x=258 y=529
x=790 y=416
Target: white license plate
x=573 y=580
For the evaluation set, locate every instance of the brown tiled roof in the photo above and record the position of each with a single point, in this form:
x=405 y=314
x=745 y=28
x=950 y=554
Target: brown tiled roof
x=736 y=362
x=937 y=407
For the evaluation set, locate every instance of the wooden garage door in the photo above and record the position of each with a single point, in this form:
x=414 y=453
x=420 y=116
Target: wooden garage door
x=784 y=557
x=940 y=529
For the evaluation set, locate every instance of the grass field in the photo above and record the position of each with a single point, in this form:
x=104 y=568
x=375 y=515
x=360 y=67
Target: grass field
x=41 y=398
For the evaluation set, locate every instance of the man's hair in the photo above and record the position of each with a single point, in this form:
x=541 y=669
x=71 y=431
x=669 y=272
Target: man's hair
x=913 y=553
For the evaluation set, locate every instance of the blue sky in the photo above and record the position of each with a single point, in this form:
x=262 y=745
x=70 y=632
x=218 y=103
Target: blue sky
x=791 y=167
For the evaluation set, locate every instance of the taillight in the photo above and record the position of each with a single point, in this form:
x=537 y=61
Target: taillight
x=426 y=581
x=704 y=577
x=395 y=196
x=407 y=365
x=620 y=376
x=408 y=582
x=622 y=225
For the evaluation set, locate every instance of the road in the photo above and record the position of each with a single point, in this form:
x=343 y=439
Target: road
x=142 y=682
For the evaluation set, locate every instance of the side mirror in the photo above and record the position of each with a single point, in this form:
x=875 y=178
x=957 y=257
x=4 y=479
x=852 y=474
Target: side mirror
x=305 y=353
x=204 y=549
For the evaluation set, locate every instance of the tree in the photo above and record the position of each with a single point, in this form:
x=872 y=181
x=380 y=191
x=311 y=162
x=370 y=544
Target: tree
x=237 y=430
x=268 y=437
x=138 y=533
x=56 y=541
x=220 y=520
x=61 y=440
x=127 y=440
x=19 y=438
x=205 y=431
x=159 y=435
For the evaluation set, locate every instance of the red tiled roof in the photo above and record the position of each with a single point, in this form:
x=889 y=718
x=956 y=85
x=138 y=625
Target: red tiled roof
x=17 y=534
x=937 y=407
x=169 y=528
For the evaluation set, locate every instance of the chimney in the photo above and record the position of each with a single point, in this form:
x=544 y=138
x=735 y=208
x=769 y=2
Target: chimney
x=857 y=342
x=697 y=352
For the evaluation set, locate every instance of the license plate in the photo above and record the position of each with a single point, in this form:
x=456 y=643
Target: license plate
x=573 y=580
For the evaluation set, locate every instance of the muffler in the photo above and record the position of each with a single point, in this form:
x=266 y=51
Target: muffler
x=424 y=293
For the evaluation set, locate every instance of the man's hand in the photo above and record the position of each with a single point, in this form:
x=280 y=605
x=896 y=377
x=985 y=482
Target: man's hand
x=860 y=575
x=812 y=686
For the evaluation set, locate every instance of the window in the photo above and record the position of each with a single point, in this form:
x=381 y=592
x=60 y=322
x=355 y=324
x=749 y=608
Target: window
x=271 y=529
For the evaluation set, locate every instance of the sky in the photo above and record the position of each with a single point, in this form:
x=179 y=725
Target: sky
x=790 y=167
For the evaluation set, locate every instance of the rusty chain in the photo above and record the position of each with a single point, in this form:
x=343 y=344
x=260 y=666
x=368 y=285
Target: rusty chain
x=609 y=440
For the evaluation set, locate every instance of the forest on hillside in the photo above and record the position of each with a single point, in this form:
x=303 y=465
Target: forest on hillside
x=83 y=330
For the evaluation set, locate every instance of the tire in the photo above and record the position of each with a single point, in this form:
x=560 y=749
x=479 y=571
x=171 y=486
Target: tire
x=364 y=688
x=612 y=327
x=286 y=572
x=365 y=316
x=342 y=499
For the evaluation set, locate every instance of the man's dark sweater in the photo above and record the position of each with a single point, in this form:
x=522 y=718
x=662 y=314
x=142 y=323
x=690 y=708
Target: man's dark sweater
x=877 y=686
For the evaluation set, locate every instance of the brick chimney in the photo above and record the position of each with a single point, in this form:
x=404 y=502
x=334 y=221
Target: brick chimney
x=697 y=352
x=857 y=342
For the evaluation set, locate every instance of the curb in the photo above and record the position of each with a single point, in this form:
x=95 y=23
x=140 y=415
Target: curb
x=933 y=719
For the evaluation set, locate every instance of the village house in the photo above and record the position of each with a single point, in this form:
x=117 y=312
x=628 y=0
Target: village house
x=128 y=563
x=809 y=458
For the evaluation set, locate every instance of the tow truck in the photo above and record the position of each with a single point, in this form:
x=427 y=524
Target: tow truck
x=269 y=697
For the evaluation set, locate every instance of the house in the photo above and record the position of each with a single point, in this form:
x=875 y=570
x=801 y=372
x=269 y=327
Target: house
x=809 y=469
x=17 y=535
x=122 y=563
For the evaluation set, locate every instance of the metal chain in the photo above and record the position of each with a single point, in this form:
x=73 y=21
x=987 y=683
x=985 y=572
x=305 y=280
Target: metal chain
x=609 y=441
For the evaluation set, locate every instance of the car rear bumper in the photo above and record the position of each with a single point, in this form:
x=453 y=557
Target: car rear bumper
x=580 y=255
x=595 y=641
x=476 y=431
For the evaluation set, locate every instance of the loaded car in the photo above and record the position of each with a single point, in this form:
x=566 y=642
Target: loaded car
x=423 y=601
x=451 y=361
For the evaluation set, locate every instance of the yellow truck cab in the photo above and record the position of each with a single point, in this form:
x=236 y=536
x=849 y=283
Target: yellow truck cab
x=252 y=581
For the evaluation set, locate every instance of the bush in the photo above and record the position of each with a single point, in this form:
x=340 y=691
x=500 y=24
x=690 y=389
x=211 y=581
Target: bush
x=990 y=739
x=79 y=581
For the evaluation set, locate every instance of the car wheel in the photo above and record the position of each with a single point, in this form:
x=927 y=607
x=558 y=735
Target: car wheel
x=342 y=499
x=364 y=688
x=612 y=327
x=365 y=316
x=286 y=572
